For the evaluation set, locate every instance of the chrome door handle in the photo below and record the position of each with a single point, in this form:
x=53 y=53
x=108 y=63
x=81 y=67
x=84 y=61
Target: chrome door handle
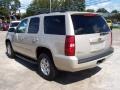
x=34 y=40
x=21 y=39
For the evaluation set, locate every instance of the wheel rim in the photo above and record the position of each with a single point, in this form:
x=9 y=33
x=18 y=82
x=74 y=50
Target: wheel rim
x=8 y=49
x=45 y=66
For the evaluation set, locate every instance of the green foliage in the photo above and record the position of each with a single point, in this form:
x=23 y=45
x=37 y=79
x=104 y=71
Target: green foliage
x=10 y=5
x=42 y=6
x=115 y=11
x=90 y=10
x=3 y=11
x=102 y=10
x=115 y=17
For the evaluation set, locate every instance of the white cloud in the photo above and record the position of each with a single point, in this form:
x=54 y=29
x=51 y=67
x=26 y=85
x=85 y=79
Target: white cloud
x=22 y=11
x=107 y=5
x=24 y=5
x=27 y=2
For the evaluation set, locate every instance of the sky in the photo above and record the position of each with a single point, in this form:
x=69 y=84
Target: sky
x=110 y=5
x=24 y=5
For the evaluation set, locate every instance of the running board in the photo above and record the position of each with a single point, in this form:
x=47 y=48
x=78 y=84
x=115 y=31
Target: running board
x=26 y=59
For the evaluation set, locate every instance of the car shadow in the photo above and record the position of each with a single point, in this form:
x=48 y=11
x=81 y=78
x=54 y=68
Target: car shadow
x=64 y=78
x=27 y=64
x=69 y=77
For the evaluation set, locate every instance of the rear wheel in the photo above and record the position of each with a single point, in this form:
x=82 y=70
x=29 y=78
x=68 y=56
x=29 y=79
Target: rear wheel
x=10 y=51
x=46 y=67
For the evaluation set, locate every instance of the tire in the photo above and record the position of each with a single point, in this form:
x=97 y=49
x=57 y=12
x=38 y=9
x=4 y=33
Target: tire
x=46 y=67
x=10 y=51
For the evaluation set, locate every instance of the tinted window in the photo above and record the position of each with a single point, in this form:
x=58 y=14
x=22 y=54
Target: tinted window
x=14 y=24
x=22 y=27
x=34 y=25
x=54 y=25
x=89 y=24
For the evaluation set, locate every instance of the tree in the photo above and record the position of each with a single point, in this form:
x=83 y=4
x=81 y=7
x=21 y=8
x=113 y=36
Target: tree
x=15 y=5
x=4 y=11
x=10 y=5
x=42 y=6
x=90 y=10
x=38 y=6
x=115 y=11
x=75 y=5
x=102 y=10
x=115 y=17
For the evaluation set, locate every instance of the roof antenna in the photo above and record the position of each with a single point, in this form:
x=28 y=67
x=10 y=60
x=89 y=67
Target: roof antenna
x=50 y=6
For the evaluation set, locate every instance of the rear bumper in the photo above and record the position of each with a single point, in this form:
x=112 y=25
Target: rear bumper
x=101 y=55
x=73 y=64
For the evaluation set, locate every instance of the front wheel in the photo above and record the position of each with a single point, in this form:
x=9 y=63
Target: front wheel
x=10 y=51
x=46 y=67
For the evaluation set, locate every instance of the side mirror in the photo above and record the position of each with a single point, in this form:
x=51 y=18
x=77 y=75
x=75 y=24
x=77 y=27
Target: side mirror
x=11 y=30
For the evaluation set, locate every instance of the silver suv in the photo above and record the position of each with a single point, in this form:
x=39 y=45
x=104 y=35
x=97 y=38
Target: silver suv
x=68 y=41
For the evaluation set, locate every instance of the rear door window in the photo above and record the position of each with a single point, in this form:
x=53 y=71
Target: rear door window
x=89 y=24
x=34 y=25
x=54 y=25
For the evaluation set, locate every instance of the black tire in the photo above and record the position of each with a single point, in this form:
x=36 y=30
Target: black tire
x=10 y=53
x=53 y=71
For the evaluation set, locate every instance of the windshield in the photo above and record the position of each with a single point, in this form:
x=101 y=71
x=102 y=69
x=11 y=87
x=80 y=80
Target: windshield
x=14 y=24
x=84 y=24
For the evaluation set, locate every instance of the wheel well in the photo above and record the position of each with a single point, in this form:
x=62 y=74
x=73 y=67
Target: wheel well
x=40 y=50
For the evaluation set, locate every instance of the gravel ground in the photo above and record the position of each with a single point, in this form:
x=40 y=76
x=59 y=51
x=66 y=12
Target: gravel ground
x=16 y=74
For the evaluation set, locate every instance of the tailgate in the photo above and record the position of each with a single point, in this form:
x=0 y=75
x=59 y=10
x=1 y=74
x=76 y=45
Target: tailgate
x=91 y=44
x=92 y=34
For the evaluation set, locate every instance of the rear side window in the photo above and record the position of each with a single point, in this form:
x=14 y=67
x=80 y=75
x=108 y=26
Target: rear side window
x=84 y=24
x=34 y=25
x=54 y=25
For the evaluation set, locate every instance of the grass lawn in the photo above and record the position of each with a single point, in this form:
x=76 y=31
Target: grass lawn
x=116 y=27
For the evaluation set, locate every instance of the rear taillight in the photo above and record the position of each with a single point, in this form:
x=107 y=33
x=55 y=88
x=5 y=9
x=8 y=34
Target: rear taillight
x=111 y=38
x=89 y=14
x=70 y=46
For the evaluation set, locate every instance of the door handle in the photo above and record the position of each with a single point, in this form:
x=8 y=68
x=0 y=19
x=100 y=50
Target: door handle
x=34 y=40
x=21 y=39
x=96 y=41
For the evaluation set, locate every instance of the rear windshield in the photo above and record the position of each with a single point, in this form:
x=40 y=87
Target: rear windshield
x=14 y=24
x=89 y=24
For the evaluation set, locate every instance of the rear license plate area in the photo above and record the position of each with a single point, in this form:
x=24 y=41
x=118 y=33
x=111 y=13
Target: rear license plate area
x=97 y=47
